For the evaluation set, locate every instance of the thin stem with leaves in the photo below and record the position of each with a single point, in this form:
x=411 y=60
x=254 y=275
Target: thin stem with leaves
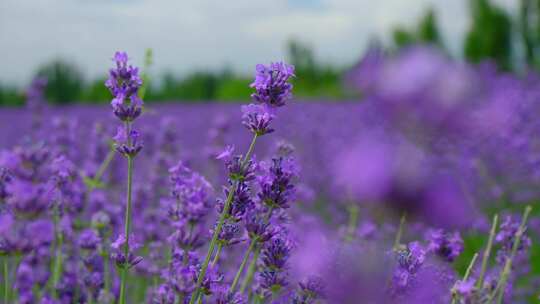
x=219 y=227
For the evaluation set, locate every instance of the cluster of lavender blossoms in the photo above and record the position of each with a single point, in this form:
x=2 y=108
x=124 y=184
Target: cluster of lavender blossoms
x=311 y=218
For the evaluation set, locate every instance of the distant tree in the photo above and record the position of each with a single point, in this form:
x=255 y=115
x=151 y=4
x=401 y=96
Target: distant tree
x=96 y=92
x=301 y=56
x=64 y=81
x=489 y=36
x=314 y=79
x=426 y=32
x=529 y=29
x=234 y=89
x=195 y=86
x=10 y=96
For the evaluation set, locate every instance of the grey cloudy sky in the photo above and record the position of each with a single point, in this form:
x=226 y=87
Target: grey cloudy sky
x=209 y=34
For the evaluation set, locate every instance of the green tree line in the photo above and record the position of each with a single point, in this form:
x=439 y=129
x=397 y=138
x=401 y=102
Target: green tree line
x=509 y=39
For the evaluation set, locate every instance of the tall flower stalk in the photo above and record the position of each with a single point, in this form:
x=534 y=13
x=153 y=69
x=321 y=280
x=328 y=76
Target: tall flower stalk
x=503 y=280
x=272 y=90
x=124 y=83
x=487 y=252
x=227 y=205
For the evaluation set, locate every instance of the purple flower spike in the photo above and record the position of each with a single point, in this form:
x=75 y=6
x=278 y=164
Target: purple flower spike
x=271 y=84
x=506 y=238
x=257 y=118
x=447 y=245
x=124 y=83
x=118 y=252
x=128 y=144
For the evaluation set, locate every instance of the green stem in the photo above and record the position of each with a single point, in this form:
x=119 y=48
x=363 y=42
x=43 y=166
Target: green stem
x=501 y=285
x=127 y=227
x=243 y=264
x=6 y=280
x=250 y=149
x=353 y=222
x=104 y=165
x=218 y=252
x=106 y=280
x=471 y=265
x=251 y=271
x=487 y=252
x=399 y=234
x=213 y=242
x=57 y=269
x=219 y=227
x=253 y=264
x=465 y=277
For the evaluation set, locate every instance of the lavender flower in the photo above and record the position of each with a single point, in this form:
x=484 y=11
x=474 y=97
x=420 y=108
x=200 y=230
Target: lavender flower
x=223 y=296
x=118 y=252
x=506 y=237
x=271 y=84
x=277 y=188
x=257 y=119
x=128 y=143
x=309 y=291
x=275 y=253
x=238 y=170
x=124 y=83
x=447 y=245
x=257 y=227
x=241 y=201
x=409 y=261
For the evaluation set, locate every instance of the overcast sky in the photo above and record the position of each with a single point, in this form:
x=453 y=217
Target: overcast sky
x=208 y=34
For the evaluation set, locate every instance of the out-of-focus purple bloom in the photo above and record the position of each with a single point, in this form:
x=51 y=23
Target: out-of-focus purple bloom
x=506 y=238
x=163 y=295
x=257 y=118
x=271 y=84
x=227 y=154
x=409 y=262
x=445 y=244
x=192 y=193
x=465 y=290
x=4 y=178
x=88 y=239
x=27 y=198
x=100 y=220
x=223 y=296
x=309 y=291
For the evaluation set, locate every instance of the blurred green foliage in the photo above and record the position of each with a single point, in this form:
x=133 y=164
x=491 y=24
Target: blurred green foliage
x=64 y=81
x=490 y=35
x=426 y=32
x=509 y=39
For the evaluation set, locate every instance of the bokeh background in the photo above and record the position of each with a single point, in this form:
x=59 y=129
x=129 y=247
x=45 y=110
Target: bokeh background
x=206 y=50
x=421 y=107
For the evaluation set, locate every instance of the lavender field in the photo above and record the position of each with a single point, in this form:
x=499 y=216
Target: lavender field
x=423 y=190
